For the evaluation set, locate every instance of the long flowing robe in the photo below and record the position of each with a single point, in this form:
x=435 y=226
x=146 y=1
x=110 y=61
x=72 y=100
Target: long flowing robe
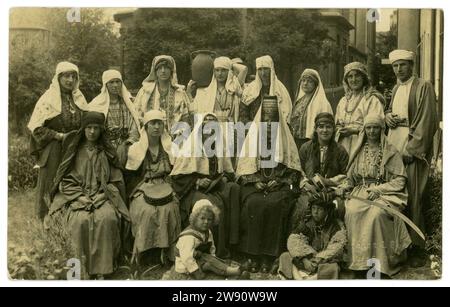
x=265 y=214
x=192 y=166
x=422 y=123
x=309 y=239
x=56 y=111
x=89 y=193
x=372 y=232
x=153 y=226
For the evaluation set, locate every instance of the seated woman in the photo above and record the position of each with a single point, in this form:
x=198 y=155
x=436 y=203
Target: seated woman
x=155 y=214
x=203 y=170
x=269 y=184
x=89 y=196
x=195 y=250
x=316 y=246
x=322 y=157
x=376 y=173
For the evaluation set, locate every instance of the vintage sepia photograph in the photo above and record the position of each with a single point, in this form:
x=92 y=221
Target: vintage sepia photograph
x=225 y=144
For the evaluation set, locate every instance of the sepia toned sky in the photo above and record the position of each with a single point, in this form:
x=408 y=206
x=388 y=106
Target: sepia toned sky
x=385 y=20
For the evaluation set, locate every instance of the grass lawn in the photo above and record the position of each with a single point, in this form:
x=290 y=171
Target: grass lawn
x=34 y=253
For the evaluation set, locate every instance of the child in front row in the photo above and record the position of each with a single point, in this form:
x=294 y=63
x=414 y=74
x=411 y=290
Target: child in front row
x=195 y=250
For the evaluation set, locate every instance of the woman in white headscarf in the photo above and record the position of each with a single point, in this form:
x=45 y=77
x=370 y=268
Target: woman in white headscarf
x=359 y=101
x=267 y=195
x=310 y=101
x=375 y=173
x=122 y=121
x=161 y=91
x=265 y=83
x=222 y=95
x=154 y=212
x=57 y=113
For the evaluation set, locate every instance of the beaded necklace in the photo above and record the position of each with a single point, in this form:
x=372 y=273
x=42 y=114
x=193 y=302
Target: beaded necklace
x=374 y=161
x=349 y=113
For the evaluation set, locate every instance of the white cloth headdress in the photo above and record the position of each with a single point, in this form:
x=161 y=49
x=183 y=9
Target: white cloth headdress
x=49 y=105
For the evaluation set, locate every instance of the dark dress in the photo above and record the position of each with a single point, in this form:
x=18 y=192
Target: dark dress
x=48 y=150
x=335 y=163
x=264 y=216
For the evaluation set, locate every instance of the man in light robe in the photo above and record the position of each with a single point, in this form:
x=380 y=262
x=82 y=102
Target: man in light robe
x=412 y=121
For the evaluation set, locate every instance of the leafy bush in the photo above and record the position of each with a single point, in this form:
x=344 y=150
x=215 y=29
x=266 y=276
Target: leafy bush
x=20 y=164
x=433 y=218
x=39 y=254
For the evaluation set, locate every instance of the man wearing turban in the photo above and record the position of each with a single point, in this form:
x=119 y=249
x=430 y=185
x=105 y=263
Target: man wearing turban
x=412 y=121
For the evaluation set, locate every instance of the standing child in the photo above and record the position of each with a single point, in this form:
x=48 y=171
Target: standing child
x=195 y=250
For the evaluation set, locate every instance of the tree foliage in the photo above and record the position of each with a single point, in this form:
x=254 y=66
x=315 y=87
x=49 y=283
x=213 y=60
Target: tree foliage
x=91 y=44
x=385 y=43
x=178 y=32
x=292 y=37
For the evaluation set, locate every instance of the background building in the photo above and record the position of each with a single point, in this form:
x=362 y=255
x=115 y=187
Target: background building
x=28 y=29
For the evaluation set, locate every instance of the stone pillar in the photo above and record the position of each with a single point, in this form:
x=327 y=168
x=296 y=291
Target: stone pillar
x=408 y=29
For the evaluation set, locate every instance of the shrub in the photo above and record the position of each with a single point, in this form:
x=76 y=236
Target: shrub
x=40 y=254
x=433 y=218
x=21 y=174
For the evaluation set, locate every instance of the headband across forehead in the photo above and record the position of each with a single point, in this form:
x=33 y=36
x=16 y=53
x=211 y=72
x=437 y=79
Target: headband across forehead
x=324 y=118
x=92 y=117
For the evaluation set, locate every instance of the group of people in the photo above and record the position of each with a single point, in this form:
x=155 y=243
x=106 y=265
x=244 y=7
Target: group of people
x=109 y=171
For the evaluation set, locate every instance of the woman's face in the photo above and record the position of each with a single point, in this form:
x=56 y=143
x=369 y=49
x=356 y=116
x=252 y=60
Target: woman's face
x=308 y=85
x=155 y=128
x=373 y=132
x=114 y=86
x=355 y=80
x=325 y=132
x=163 y=72
x=68 y=79
x=92 y=132
x=221 y=74
x=204 y=220
x=318 y=213
x=264 y=75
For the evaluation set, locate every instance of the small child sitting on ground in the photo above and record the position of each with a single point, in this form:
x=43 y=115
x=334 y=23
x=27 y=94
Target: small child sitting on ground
x=195 y=250
x=316 y=246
